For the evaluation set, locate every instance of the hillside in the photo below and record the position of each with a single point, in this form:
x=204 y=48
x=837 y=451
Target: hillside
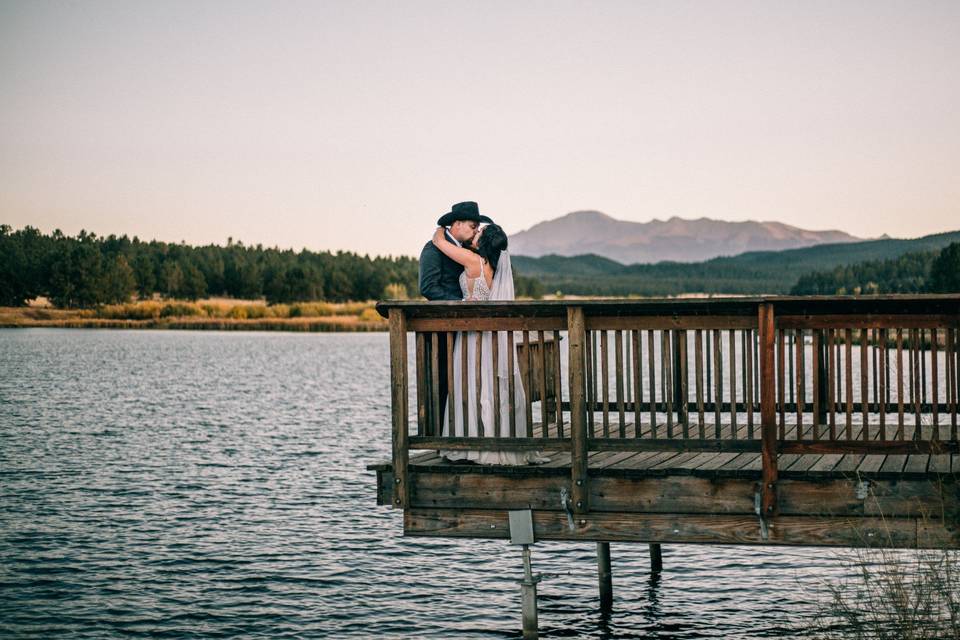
x=755 y=272
x=676 y=239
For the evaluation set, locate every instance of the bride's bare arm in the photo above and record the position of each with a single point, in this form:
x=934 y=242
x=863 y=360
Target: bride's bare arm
x=467 y=258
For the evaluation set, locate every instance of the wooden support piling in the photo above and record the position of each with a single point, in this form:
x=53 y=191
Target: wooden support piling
x=656 y=558
x=528 y=594
x=604 y=576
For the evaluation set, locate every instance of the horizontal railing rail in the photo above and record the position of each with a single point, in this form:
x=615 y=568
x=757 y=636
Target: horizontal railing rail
x=779 y=375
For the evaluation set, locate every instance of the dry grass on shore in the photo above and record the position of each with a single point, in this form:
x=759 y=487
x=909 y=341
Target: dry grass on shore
x=219 y=314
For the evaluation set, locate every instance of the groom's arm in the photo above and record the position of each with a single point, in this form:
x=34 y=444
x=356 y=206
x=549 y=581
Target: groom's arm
x=430 y=274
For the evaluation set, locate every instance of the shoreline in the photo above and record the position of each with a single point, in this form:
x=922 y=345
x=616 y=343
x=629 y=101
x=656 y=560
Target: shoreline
x=312 y=325
x=336 y=319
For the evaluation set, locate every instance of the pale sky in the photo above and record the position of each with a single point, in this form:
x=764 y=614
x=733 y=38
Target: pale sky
x=354 y=125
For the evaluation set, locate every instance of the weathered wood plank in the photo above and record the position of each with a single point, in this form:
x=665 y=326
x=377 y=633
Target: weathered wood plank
x=398 y=401
x=669 y=528
x=484 y=324
x=669 y=323
x=576 y=333
x=878 y=321
x=768 y=425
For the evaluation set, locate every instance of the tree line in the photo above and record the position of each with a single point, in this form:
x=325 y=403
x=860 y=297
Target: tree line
x=935 y=271
x=90 y=270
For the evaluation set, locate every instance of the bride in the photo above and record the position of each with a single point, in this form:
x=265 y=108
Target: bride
x=487 y=275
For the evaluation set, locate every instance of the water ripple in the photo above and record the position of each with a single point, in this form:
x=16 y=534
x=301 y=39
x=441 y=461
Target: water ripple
x=177 y=484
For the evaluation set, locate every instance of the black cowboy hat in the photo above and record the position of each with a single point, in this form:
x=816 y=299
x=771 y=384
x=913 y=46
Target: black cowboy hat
x=463 y=211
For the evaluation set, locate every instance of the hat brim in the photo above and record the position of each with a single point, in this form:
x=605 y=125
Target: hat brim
x=449 y=218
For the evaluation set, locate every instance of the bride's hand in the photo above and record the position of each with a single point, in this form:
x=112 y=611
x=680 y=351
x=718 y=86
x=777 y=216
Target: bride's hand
x=438 y=235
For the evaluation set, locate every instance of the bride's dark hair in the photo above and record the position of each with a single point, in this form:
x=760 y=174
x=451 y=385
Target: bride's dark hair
x=492 y=241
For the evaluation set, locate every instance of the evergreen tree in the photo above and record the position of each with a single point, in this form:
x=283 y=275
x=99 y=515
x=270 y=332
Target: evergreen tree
x=193 y=285
x=145 y=273
x=945 y=270
x=119 y=282
x=76 y=273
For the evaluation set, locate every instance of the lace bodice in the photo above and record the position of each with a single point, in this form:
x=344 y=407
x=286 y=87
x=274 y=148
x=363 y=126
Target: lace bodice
x=479 y=291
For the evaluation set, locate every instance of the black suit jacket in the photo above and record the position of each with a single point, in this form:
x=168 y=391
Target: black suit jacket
x=439 y=275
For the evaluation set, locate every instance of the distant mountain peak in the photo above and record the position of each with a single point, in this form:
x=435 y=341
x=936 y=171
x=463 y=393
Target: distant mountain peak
x=587 y=214
x=676 y=238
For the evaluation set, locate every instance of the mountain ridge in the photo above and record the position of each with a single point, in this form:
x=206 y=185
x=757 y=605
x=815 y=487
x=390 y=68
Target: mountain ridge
x=678 y=239
x=752 y=272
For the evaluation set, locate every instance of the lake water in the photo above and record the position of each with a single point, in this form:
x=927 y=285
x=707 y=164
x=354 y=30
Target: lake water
x=204 y=484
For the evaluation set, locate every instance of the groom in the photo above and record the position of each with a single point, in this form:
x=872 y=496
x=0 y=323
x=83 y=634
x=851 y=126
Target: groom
x=440 y=280
x=439 y=275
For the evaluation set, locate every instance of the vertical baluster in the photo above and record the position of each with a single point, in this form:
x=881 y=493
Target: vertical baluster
x=886 y=360
x=922 y=355
x=465 y=338
x=743 y=368
x=718 y=375
x=481 y=431
x=733 y=383
x=436 y=415
x=815 y=365
x=848 y=372
x=781 y=383
x=900 y=421
x=557 y=383
x=511 y=386
x=935 y=383
x=790 y=375
x=801 y=391
x=956 y=381
x=451 y=392
x=666 y=353
x=876 y=380
x=951 y=356
x=864 y=382
x=910 y=368
x=698 y=355
x=663 y=372
x=684 y=389
x=422 y=406
x=838 y=340
x=831 y=387
x=618 y=364
x=652 y=384
x=495 y=375
x=605 y=383
x=593 y=365
x=915 y=336
x=637 y=382
x=527 y=349
x=627 y=369
x=544 y=413
x=589 y=395
x=748 y=377
x=883 y=389
x=709 y=351
x=756 y=367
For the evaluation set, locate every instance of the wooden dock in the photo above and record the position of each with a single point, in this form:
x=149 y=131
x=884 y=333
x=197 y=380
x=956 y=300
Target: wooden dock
x=825 y=421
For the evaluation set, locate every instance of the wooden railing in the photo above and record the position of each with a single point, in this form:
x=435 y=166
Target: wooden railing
x=784 y=375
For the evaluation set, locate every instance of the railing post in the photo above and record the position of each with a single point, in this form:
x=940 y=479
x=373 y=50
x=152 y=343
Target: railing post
x=768 y=411
x=398 y=398
x=577 y=335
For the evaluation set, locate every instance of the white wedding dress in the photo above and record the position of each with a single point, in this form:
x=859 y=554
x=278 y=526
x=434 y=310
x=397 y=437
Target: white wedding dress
x=476 y=290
